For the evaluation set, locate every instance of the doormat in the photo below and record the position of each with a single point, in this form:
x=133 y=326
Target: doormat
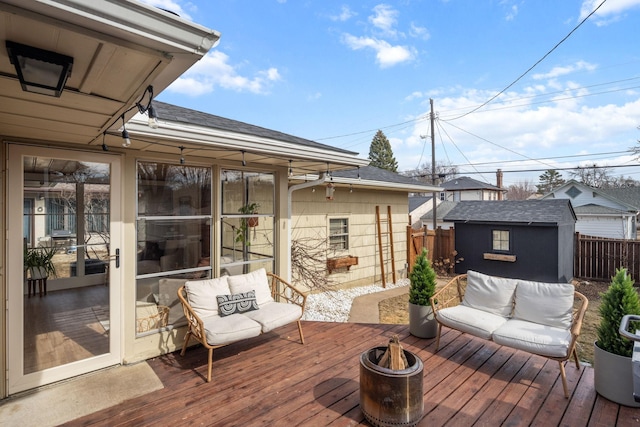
x=102 y=314
x=62 y=402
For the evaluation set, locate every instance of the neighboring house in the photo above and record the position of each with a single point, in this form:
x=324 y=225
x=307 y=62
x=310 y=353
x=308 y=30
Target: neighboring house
x=348 y=221
x=602 y=212
x=441 y=211
x=170 y=201
x=526 y=239
x=465 y=188
x=418 y=206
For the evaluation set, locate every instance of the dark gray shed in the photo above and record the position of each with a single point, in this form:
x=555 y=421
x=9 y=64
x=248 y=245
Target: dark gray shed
x=526 y=239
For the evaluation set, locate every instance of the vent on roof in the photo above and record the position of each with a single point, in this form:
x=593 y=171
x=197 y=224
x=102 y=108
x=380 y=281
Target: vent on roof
x=573 y=192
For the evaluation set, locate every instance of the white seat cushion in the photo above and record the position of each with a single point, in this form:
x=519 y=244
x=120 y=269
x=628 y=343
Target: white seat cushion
x=488 y=293
x=545 y=303
x=272 y=315
x=254 y=281
x=533 y=338
x=201 y=295
x=470 y=320
x=228 y=329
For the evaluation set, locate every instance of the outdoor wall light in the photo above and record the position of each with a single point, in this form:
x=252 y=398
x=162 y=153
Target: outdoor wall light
x=40 y=71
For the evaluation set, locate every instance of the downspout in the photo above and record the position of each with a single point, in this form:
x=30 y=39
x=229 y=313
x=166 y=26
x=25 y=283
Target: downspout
x=319 y=181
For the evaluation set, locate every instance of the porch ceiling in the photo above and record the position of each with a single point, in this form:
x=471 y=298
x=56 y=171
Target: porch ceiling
x=119 y=49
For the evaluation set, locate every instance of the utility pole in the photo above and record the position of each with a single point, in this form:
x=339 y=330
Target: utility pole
x=433 y=163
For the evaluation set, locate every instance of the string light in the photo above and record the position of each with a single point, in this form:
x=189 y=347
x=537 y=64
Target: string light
x=104 y=146
x=125 y=135
x=181 y=157
x=290 y=169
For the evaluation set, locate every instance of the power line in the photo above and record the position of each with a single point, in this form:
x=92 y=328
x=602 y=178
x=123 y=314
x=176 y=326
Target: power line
x=534 y=65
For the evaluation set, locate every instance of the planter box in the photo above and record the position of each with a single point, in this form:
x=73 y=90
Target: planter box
x=342 y=262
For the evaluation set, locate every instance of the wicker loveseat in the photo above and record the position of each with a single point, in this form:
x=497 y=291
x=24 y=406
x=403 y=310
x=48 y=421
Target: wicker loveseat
x=540 y=318
x=228 y=309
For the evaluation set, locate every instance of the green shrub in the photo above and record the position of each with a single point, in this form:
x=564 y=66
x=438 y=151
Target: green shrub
x=620 y=298
x=423 y=280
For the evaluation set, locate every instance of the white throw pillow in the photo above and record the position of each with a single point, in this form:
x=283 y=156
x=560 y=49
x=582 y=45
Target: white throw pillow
x=201 y=295
x=254 y=281
x=548 y=304
x=489 y=293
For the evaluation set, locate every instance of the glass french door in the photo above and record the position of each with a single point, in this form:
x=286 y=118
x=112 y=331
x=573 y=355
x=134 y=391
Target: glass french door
x=63 y=320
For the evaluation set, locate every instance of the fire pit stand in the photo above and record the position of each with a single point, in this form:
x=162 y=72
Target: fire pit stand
x=388 y=397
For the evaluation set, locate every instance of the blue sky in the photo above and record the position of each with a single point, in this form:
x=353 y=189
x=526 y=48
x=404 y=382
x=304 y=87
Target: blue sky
x=336 y=72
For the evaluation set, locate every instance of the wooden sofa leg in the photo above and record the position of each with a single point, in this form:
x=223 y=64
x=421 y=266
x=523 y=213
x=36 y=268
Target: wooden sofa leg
x=564 y=380
x=210 y=365
x=575 y=357
x=300 y=331
x=186 y=343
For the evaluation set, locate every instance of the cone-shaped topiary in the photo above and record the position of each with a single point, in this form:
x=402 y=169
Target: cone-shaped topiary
x=620 y=298
x=423 y=280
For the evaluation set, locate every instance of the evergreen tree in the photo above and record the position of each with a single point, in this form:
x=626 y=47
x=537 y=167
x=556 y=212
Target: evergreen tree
x=423 y=280
x=621 y=298
x=380 y=153
x=549 y=180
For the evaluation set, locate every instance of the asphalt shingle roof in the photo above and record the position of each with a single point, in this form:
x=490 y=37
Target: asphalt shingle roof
x=178 y=114
x=553 y=211
x=441 y=211
x=466 y=183
x=416 y=201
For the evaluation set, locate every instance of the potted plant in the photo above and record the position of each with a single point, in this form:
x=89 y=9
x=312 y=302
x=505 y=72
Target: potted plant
x=613 y=376
x=39 y=262
x=422 y=322
x=246 y=223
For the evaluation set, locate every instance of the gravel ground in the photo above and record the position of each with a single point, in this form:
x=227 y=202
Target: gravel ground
x=334 y=306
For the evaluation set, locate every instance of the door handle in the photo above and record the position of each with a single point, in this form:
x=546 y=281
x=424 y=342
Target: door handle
x=116 y=258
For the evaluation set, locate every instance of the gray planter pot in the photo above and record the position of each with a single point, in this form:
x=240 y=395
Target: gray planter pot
x=613 y=377
x=37 y=273
x=422 y=323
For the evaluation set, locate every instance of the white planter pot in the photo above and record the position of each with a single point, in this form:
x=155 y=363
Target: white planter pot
x=422 y=323
x=37 y=273
x=613 y=378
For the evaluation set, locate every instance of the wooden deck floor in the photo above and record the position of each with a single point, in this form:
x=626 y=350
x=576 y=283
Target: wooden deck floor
x=273 y=380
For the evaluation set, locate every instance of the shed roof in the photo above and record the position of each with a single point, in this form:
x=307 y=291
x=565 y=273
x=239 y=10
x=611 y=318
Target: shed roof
x=541 y=212
x=466 y=183
x=416 y=201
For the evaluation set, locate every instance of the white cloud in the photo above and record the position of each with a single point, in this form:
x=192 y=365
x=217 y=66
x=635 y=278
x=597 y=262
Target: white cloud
x=610 y=12
x=387 y=55
x=419 y=32
x=345 y=14
x=384 y=18
x=564 y=70
x=214 y=71
x=512 y=13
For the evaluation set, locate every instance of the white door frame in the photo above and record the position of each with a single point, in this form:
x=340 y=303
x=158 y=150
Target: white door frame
x=17 y=380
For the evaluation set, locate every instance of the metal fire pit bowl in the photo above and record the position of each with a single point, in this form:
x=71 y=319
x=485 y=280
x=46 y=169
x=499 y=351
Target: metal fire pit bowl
x=390 y=398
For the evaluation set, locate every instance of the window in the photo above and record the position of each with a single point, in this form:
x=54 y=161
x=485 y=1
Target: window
x=339 y=233
x=501 y=240
x=173 y=231
x=247 y=221
x=443 y=196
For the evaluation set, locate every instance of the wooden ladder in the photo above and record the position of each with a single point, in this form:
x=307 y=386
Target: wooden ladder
x=389 y=245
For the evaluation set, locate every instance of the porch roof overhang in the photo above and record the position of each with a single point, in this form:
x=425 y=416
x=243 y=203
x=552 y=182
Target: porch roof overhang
x=119 y=48
x=372 y=184
x=236 y=147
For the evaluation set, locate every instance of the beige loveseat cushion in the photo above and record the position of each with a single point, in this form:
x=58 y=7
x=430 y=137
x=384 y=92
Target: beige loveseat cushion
x=473 y=321
x=272 y=315
x=533 y=338
x=548 y=304
x=489 y=293
x=254 y=281
x=228 y=329
x=201 y=295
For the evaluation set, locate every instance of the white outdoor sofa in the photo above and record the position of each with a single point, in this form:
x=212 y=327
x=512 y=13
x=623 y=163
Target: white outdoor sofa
x=540 y=318
x=228 y=309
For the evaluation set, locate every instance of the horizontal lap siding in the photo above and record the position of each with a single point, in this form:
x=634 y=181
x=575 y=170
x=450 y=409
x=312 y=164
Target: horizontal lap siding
x=310 y=219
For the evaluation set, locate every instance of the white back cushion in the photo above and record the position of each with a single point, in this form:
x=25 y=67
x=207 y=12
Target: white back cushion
x=548 y=304
x=254 y=281
x=489 y=293
x=201 y=295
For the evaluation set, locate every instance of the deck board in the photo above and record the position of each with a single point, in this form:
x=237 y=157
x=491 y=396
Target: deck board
x=275 y=380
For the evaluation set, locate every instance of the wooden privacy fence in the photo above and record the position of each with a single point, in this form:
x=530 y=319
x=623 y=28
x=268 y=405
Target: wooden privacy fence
x=597 y=258
x=440 y=244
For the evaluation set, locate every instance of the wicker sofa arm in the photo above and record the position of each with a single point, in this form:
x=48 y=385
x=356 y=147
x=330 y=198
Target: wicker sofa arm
x=282 y=291
x=579 y=310
x=450 y=294
x=195 y=323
